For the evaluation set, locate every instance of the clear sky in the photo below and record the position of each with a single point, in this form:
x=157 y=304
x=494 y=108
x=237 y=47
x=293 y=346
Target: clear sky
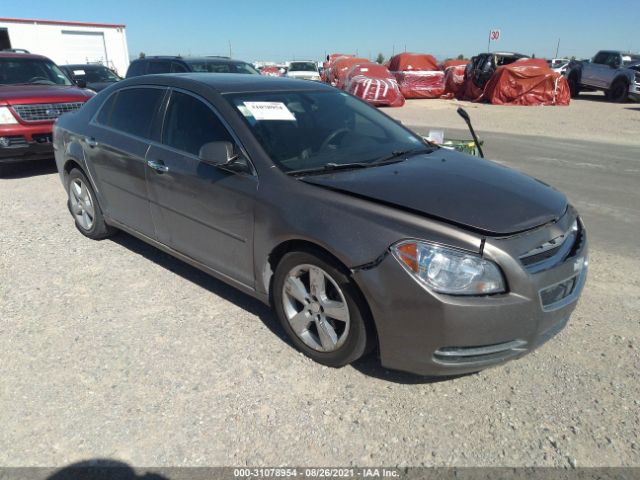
x=280 y=30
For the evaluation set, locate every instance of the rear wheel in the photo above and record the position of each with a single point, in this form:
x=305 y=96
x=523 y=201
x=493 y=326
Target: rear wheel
x=321 y=309
x=84 y=208
x=574 y=85
x=619 y=91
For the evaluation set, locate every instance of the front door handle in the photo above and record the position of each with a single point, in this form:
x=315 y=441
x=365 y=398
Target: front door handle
x=158 y=166
x=91 y=142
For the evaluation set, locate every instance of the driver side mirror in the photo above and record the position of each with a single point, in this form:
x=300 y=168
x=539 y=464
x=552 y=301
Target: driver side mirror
x=81 y=82
x=217 y=153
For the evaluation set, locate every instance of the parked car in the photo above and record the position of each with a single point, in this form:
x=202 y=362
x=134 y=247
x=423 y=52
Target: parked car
x=303 y=70
x=150 y=65
x=96 y=77
x=558 y=65
x=33 y=93
x=358 y=232
x=483 y=65
x=609 y=72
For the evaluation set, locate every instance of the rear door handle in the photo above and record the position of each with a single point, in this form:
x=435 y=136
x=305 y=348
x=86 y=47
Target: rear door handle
x=158 y=166
x=92 y=142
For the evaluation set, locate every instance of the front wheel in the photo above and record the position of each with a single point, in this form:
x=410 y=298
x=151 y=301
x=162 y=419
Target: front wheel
x=619 y=91
x=574 y=86
x=321 y=309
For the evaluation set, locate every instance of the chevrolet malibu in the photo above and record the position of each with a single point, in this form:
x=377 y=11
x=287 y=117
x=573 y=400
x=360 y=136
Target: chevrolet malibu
x=356 y=231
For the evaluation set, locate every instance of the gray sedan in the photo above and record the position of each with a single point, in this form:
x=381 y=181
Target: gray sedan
x=357 y=232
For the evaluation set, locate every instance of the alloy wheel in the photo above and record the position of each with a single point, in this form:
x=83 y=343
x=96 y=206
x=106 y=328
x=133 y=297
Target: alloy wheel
x=315 y=308
x=81 y=204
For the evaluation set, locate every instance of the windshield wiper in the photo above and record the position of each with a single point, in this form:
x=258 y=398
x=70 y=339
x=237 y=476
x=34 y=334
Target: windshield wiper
x=329 y=167
x=396 y=155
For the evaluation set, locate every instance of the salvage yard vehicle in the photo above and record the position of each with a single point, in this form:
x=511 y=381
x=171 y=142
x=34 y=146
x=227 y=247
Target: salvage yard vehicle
x=482 y=66
x=93 y=76
x=303 y=70
x=168 y=64
x=357 y=232
x=33 y=93
x=609 y=71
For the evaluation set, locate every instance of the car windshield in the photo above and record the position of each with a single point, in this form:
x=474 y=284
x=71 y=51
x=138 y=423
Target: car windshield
x=35 y=71
x=222 y=67
x=628 y=60
x=316 y=129
x=303 y=67
x=94 y=74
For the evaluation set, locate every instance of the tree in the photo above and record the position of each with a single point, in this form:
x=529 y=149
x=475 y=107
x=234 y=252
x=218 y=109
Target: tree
x=380 y=58
x=142 y=55
x=460 y=57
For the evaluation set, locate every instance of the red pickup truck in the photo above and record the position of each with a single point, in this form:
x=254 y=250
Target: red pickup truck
x=34 y=92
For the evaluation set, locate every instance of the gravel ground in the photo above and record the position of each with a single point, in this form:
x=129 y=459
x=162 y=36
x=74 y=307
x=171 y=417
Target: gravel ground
x=112 y=349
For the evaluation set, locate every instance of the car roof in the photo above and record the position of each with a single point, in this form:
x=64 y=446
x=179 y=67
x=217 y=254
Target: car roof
x=82 y=66
x=229 y=82
x=211 y=59
x=23 y=55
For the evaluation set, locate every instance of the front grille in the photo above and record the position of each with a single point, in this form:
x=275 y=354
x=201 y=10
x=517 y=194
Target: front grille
x=481 y=353
x=40 y=112
x=555 y=251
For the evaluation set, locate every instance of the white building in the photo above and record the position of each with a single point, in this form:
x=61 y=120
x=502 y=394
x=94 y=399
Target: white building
x=68 y=42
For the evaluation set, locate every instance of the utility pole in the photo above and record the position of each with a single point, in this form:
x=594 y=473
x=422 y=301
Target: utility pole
x=489 y=42
x=558 y=47
x=393 y=51
x=230 y=49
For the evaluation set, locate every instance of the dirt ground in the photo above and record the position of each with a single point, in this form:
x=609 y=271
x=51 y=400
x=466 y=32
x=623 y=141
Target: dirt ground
x=590 y=117
x=112 y=349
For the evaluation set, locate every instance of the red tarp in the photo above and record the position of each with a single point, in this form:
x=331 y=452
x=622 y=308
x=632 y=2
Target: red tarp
x=412 y=61
x=418 y=75
x=453 y=63
x=453 y=77
x=326 y=66
x=527 y=82
x=374 y=84
x=340 y=68
x=271 y=72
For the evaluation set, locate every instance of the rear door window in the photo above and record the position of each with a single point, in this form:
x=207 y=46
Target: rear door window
x=136 y=68
x=178 y=68
x=601 y=58
x=131 y=110
x=159 y=66
x=190 y=123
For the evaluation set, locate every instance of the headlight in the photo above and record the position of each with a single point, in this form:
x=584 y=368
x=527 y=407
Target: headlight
x=445 y=270
x=6 y=117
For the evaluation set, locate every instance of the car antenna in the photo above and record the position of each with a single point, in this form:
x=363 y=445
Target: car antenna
x=463 y=113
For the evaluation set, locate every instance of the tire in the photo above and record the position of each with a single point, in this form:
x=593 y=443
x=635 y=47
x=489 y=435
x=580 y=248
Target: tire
x=574 y=85
x=84 y=208
x=619 y=91
x=338 y=307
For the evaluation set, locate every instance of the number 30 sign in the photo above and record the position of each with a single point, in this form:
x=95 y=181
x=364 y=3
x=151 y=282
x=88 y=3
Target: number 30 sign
x=494 y=35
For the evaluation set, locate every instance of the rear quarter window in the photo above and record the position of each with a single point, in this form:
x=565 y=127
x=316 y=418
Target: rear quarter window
x=131 y=110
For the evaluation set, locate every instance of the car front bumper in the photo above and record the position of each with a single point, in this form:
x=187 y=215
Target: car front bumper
x=426 y=333
x=25 y=143
x=634 y=92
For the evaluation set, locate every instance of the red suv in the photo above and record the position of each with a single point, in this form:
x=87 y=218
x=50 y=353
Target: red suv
x=34 y=92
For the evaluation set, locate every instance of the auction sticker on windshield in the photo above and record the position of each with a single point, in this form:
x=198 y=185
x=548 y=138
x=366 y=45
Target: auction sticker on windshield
x=269 y=111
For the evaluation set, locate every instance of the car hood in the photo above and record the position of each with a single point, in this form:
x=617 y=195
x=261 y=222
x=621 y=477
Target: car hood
x=466 y=191
x=25 y=94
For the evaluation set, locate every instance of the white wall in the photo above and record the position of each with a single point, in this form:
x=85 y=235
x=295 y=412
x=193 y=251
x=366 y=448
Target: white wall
x=47 y=40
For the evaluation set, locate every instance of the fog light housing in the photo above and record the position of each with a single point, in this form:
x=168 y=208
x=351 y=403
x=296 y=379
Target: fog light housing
x=4 y=142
